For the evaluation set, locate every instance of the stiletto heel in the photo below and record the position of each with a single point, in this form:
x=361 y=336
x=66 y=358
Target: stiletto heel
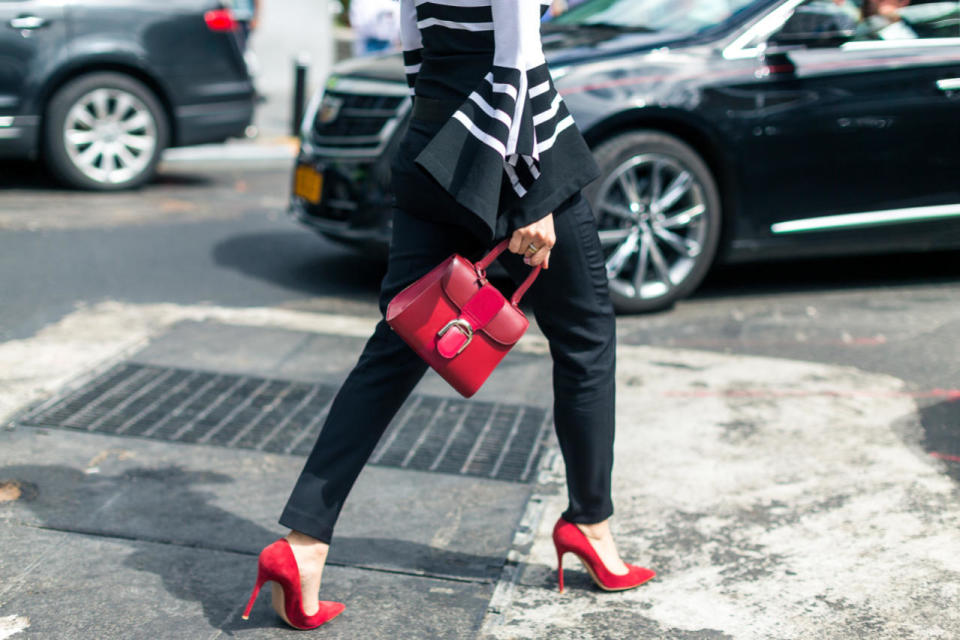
x=568 y=537
x=560 y=569
x=277 y=564
x=253 y=596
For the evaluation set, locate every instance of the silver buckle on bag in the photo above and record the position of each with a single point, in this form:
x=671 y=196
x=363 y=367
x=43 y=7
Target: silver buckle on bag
x=465 y=329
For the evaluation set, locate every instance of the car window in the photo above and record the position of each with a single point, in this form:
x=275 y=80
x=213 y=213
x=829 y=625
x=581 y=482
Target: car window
x=866 y=20
x=675 y=16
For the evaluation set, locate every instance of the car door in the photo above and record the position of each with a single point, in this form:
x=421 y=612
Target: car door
x=32 y=36
x=854 y=135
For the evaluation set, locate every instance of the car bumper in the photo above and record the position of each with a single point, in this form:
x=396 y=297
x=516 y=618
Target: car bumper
x=213 y=122
x=18 y=135
x=354 y=207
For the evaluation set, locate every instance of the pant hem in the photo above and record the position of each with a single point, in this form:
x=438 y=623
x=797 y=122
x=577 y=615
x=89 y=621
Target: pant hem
x=587 y=518
x=307 y=524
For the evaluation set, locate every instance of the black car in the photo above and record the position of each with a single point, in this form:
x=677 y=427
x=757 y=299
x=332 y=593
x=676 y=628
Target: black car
x=98 y=88
x=727 y=131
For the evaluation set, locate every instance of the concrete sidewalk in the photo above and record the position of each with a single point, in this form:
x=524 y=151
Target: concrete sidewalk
x=776 y=499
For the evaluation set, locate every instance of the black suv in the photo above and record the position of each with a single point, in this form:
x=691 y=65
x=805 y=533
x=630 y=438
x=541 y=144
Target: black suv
x=99 y=88
x=730 y=130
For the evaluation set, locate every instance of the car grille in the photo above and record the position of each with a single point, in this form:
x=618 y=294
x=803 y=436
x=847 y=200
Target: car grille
x=358 y=117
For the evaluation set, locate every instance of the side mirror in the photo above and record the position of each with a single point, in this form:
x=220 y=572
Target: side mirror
x=816 y=24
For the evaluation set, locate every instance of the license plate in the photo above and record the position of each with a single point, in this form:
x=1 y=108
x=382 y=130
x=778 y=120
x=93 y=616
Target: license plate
x=308 y=184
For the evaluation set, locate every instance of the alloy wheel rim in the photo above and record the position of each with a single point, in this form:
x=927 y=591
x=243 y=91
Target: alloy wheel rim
x=653 y=225
x=110 y=136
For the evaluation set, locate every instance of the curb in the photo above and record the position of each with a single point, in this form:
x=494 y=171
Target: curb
x=272 y=149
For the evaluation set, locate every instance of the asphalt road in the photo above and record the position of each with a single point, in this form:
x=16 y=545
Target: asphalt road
x=217 y=233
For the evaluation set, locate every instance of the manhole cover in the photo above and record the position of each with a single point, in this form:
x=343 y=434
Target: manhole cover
x=446 y=435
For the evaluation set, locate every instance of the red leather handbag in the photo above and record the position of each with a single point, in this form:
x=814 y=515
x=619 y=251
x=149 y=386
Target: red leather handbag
x=459 y=323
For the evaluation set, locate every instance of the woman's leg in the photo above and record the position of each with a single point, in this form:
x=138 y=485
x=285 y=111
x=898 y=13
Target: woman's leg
x=381 y=381
x=383 y=378
x=573 y=309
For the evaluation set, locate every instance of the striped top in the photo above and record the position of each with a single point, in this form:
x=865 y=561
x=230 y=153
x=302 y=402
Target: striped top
x=512 y=127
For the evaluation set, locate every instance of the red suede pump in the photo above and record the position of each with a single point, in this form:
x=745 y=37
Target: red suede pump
x=567 y=537
x=278 y=565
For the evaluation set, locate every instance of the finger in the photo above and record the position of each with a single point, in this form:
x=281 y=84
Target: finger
x=537 y=258
x=517 y=244
x=528 y=241
x=544 y=238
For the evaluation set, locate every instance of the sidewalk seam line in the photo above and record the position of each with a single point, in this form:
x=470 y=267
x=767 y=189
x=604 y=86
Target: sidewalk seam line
x=251 y=554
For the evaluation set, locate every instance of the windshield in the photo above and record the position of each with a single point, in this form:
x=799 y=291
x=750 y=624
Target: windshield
x=675 y=16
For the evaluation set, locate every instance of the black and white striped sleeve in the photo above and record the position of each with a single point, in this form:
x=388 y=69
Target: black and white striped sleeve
x=513 y=125
x=411 y=42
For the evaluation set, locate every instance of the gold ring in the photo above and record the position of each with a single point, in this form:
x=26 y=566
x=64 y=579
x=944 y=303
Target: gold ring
x=532 y=248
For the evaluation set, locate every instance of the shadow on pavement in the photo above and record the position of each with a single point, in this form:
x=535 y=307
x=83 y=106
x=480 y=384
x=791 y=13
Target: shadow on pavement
x=33 y=175
x=26 y=174
x=191 y=544
x=162 y=515
x=305 y=264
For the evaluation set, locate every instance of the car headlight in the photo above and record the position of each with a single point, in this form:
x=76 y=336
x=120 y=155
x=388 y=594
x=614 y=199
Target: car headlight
x=313 y=107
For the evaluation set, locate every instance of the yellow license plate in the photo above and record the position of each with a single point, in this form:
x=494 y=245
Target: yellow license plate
x=308 y=184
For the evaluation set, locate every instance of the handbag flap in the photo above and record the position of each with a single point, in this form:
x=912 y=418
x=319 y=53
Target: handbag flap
x=409 y=295
x=461 y=282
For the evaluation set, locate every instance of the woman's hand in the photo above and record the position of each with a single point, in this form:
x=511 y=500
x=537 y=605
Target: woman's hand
x=541 y=235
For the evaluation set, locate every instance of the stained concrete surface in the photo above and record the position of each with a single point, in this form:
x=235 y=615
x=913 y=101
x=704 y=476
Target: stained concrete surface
x=75 y=587
x=217 y=498
x=776 y=499
x=198 y=515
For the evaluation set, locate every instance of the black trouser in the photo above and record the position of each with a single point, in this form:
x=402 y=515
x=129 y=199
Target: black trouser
x=572 y=308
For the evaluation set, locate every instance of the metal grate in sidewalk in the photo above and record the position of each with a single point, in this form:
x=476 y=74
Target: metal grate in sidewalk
x=446 y=435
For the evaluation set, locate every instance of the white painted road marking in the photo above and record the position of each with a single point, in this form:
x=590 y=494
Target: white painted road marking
x=10 y=625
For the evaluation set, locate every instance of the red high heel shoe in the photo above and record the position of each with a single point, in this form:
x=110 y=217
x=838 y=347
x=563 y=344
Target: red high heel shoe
x=277 y=565
x=567 y=537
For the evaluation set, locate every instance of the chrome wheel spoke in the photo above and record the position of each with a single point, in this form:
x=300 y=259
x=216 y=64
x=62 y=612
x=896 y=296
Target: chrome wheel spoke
x=617 y=210
x=660 y=263
x=656 y=180
x=618 y=260
x=677 y=189
x=126 y=159
x=80 y=114
x=140 y=120
x=629 y=187
x=109 y=163
x=643 y=259
x=683 y=246
x=683 y=218
x=140 y=143
x=122 y=106
x=613 y=236
x=78 y=137
x=99 y=100
x=90 y=154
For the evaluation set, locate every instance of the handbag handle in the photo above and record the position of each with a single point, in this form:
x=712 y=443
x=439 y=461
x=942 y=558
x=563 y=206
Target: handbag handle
x=494 y=253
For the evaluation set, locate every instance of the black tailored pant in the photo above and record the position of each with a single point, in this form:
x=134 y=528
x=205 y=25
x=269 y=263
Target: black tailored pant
x=572 y=308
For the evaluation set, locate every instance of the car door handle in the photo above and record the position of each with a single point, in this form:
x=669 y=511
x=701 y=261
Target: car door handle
x=949 y=84
x=27 y=22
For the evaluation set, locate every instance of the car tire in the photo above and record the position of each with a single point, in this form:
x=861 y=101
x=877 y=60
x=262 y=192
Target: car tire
x=104 y=132
x=659 y=217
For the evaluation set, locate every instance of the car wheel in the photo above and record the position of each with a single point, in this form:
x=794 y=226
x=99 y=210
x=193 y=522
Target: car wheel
x=658 y=214
x=104 y=131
